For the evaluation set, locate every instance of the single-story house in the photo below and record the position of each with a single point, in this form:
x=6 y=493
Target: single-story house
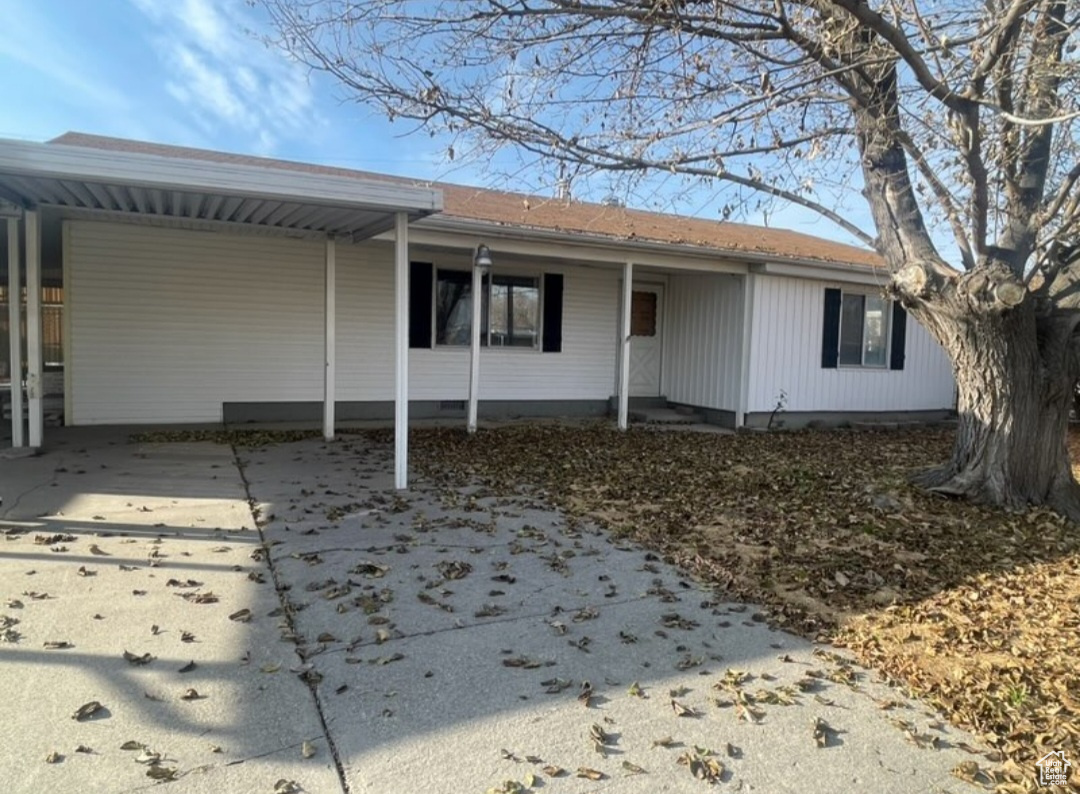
x=193 y=286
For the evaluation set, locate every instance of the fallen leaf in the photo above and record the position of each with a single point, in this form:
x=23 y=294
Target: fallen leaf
x=822 y=732
x=682 y=710
x=702 y=764
x=307 y=749
x=590 y=774
x=87 y=710
x=970 y=772
x=199 y=598
x=163 y=773
x=633 y=768
x=132 y=658
x=370 y=570
x=191 y=694
x=241 y=616
x=507 y=787
x=53 y=758
x=453 y=569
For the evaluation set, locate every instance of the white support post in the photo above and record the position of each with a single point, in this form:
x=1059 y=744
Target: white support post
x=330 y=340
x=34 y=385
x=474 y=349
x=15 y=325
x=624 y=346
x=401 y=351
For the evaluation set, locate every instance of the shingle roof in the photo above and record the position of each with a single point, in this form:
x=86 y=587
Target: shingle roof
x=543 y=213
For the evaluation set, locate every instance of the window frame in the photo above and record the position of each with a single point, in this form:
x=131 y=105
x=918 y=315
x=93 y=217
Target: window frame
x=487 y=282
x=886 y=344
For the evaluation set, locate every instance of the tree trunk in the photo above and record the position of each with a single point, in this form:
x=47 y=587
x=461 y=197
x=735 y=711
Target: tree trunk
x=1015 y=390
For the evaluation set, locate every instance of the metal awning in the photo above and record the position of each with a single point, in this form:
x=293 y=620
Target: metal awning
x=200 y=193
x=184 y=192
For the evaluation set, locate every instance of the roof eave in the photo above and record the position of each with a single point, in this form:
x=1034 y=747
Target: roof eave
x=759 y=260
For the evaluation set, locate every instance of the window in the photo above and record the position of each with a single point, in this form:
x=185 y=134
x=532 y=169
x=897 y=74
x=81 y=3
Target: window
x=863 y=331
x=510 y=312
x=643 y=314
x=514 y=311
x=453 y=308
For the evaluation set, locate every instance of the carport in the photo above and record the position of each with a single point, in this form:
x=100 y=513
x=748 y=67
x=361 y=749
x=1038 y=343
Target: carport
x=180 y=193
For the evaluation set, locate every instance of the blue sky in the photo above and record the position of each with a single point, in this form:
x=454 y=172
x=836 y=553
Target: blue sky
x=194 y=73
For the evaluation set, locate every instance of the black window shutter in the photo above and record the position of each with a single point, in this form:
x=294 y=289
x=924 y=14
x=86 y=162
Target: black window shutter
x=899 y=337
x=830 y=332
x=553 y=299
x=420 y=284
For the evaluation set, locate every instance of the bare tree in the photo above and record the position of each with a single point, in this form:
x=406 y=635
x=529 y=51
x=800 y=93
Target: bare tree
x=959 y=117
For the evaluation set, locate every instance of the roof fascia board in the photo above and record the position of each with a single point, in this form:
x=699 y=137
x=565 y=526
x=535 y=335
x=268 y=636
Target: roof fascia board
x=57 y=161
x=618 y=247
x=822 y=271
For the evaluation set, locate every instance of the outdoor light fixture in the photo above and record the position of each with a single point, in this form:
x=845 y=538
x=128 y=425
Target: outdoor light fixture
x=482 y=258
x=481 y=265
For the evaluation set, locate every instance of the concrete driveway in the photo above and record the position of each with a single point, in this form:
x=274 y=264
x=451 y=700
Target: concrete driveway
x=348 y=638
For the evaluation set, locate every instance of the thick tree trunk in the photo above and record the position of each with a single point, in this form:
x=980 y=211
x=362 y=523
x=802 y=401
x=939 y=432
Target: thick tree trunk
x=1011 y=442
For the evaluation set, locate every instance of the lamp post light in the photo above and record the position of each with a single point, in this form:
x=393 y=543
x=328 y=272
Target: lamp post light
x=481 y=266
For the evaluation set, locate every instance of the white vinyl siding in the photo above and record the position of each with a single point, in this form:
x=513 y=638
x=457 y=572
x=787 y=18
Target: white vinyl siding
x=703 y=343
x=786 y=356
x=166 y=325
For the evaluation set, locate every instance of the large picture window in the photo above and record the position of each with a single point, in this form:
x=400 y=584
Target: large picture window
x=863 y=331
x=510 y=310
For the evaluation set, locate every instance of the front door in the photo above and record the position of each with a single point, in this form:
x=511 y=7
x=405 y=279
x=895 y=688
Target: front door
x=646 y=342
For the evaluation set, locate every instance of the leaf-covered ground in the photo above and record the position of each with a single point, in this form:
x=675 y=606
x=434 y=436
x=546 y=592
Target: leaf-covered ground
x=974 y=609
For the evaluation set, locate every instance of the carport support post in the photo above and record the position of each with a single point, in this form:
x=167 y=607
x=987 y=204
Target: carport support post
x=32 y=229
x=330 y=340
x=401 y=351
x=15 y=326
x=624 y=345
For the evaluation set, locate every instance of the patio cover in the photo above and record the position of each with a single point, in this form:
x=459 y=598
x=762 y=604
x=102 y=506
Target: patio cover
x=197 y=194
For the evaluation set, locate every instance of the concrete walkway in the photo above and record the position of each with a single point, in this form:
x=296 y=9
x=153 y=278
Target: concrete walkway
x=433 y=641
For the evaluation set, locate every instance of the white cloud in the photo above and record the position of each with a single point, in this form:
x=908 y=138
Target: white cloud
x=224 y=76
x=31 y=42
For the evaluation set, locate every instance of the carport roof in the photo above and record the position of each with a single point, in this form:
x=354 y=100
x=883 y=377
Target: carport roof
x=80 y=180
